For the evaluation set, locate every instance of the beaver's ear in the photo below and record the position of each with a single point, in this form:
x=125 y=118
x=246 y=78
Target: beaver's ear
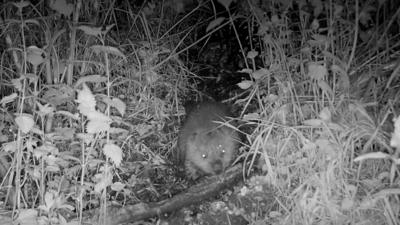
x=213 y=133
x=218 y=130
x=192 y=137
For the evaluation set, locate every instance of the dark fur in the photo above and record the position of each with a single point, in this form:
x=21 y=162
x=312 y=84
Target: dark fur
x=205 y=146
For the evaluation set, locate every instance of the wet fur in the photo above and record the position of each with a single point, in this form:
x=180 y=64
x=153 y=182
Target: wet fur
x=205 y=146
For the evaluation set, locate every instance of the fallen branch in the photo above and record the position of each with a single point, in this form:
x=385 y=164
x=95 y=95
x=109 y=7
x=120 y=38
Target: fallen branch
x=206 y=189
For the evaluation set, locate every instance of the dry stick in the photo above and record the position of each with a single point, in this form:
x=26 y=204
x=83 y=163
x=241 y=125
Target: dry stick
x=353 y=49
x=72 y=43
x=204 y=190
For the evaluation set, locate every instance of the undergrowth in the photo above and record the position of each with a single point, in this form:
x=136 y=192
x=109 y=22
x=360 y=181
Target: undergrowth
x=92 y=97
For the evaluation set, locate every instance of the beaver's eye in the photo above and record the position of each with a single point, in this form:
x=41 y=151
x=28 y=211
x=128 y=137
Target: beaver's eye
x=204 y=156
x=223 y=150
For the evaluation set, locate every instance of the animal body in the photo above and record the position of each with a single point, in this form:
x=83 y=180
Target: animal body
x=205 y=145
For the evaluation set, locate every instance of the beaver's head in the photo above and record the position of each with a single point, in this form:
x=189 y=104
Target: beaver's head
x=211 y=152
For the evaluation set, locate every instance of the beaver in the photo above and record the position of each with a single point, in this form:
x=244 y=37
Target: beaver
x=205 y=146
